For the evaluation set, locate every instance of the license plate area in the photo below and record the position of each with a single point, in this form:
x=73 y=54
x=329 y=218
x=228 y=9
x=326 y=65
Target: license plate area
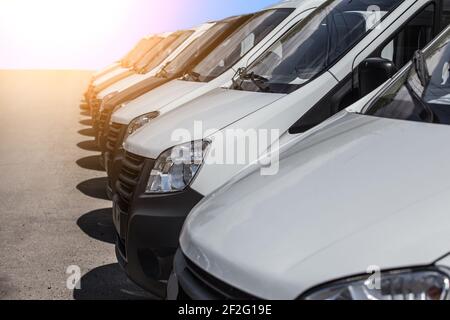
x=119 y=218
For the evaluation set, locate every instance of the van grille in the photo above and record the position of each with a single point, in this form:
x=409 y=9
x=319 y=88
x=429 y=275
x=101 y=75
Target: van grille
x=114 y=138
x=132 y=166
x=206 y=286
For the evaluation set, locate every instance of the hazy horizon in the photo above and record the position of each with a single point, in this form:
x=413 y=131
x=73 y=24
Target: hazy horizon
x=90 y=34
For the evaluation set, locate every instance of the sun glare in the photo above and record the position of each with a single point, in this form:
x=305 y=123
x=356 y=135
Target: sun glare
x=87 y=34
x=56 y=29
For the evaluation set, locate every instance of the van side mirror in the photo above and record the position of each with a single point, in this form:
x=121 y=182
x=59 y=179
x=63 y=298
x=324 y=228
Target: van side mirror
x=373 y=72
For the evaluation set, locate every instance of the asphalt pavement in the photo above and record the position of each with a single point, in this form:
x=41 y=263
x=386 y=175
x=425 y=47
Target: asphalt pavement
x=55 y=216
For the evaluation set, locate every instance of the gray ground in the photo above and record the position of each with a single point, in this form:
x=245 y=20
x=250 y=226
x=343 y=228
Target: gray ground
x=53 y=207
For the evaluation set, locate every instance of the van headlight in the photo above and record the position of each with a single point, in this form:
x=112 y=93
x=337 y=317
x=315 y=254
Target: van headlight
x=430 y=284
x=138 y=123
x=176 y=168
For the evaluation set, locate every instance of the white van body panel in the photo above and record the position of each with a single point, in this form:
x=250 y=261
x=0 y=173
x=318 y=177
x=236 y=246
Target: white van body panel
x=307 y=242
x=152 y=100
x=217 y=109
x=136 y=78
x=110 y=75
x=279 y=114
x=283 y=113
x=158 y=100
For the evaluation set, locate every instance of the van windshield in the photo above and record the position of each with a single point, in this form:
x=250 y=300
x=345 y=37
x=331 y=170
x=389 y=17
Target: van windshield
x=156 y=55
x=139 y=52
x=314 y=45
x=195 y=49
x=422 y=93
x=230 y=51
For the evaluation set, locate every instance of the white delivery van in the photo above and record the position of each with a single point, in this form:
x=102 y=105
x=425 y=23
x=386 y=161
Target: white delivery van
x=128 y=61
x=358 y=210
x=132 y=57
x=162 y=49
x=216 y=69
x=153 y=58
x=311 y=73
x=124 y=78
x=180 y=64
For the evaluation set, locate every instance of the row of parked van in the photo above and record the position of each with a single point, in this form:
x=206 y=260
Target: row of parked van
x=302 y=147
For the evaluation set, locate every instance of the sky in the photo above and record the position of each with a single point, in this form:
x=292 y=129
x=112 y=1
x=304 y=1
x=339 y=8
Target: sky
x=90 y=34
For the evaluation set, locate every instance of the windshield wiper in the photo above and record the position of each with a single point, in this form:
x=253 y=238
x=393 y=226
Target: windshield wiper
x=192 y=76
x=242 y=75
x=421 y=68
x=163 y=72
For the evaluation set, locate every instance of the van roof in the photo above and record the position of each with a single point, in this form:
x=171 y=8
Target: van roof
x=296 y=4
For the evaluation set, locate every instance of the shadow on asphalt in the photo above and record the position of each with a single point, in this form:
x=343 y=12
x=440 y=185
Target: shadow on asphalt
x=109 y=283
x=89 y=145
x=86 y=122
x=98 y=225
x=90 y=163
x=87 y=132
x=94 y=188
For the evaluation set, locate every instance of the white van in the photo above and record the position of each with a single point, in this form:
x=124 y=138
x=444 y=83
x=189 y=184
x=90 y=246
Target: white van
x=311 y=73
x=216 y=69
x=180 y=63
x=159 y=52
x=358 y=210
x=128 y=61
x=164 y=50
x=132 y=57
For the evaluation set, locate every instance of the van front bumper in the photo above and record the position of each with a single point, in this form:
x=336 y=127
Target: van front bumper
x=148 y=229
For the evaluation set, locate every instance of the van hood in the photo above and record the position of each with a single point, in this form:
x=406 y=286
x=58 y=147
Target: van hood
x=200 y=118
x=154 y=100
x=126 y=83
x=361 y=192
x=110 y=75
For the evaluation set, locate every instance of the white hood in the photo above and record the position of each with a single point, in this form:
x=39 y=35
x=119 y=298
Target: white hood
x=125 y=83
x=362 y=191
x=110 y=75
x=216 y=110
x=154 y=100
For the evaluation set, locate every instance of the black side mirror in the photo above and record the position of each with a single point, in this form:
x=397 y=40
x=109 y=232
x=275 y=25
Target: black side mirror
x=373 y=72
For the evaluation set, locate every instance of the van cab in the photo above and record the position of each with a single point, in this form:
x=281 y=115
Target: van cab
x=175 y=66
x=357 y=211
x=309 y=74
x=215 y=70
x=128 y=61
x=153 y=58
x=163 y=49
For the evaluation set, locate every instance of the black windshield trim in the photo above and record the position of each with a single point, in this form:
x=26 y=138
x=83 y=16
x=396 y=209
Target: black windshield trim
x=289 y=11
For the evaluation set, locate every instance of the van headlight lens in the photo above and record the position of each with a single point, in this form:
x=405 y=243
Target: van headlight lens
x=138 y=123
x=176 y=168
x=396 y=285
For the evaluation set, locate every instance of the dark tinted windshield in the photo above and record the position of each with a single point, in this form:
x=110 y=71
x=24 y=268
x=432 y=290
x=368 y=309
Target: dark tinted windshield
x=421 y=93
x=161 y=51
x=316 y=43
x=195 y=49
x=230 y=51
x=139 y=51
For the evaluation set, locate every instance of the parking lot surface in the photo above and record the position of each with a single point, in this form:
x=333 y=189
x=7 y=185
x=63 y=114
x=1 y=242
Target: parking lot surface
x=53 y=206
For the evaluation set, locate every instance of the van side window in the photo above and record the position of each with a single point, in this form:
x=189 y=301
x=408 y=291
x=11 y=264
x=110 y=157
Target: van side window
x=445 y=14
x=416 y=34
